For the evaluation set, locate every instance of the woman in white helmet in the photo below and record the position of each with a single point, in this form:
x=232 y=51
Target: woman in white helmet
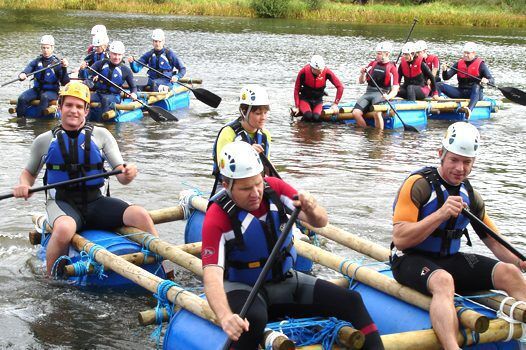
x=431 y=60
x=99 y=52
x=46 y=84
x=310 y=88
x=116 y=71
x=428 y=224
x=162 y=59
x=254 y=105
x=468 y=87
x=384 y=73
x=233 y=255
x=415 y=73
x=97 y=30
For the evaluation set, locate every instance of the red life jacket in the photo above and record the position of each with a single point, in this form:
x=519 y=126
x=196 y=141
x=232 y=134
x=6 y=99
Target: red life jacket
x=377 y=72
x=429 y=61
x=313 y=87
x=473 y=69
x=413 y=69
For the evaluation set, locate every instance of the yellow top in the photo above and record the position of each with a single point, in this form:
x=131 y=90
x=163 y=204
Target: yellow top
x=228 y=135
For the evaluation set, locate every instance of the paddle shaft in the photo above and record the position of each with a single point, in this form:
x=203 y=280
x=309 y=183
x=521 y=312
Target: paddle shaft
x=493 y=234
x=266 y=268
x=161 y=73
x=113 y=84
x=65 y=183
x=407 y=39
x=32 y=73
x=406 y=127
x=269 y=165
x=472 y=76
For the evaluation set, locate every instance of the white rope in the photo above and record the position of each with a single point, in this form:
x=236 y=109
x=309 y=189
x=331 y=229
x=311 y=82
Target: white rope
x=269 y=341
x=509 y=318
x=185 y=200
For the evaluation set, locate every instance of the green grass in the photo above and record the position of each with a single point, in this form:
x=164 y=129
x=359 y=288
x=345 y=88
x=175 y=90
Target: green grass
x=483 y=13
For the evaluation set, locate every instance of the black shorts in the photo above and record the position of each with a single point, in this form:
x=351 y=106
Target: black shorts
x=471 y=272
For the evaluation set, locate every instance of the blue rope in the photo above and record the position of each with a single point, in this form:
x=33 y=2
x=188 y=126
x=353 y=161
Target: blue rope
x=162 y=303
x=307 y=331
x=55 y=273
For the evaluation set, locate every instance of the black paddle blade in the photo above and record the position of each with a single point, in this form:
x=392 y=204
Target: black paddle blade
x=160 y=114
x=514 y=95
x=410 y=128
x=207 y=97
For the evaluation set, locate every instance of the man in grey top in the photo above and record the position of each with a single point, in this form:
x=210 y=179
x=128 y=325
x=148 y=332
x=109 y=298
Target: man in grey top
x=72 y=150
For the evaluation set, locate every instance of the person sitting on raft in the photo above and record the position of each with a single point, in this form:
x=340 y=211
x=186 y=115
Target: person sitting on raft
x=162 y=59
x=79 y=206
x=431 y=60
x=254 y=105
x=310 y=88
x=98 y=53
x=46 y=84
x=116 y=71
x=428 y=224
x=471 y=87
x=415 y=73
x=385 y=74
x=98 y=29
x=233 y=255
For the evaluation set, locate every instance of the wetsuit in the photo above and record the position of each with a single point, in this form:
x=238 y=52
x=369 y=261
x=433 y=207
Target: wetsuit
x=413 y=267
x=309 y=91
x=386 y=76
x=297 y=295
x=165 y=61
x=415 y=74
x=45 y=86
x=91 y=58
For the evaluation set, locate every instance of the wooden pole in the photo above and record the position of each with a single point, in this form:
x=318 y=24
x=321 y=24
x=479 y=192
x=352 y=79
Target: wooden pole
x=134 y=258
x=468 y=318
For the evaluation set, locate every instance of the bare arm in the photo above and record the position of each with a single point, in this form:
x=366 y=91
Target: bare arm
x=231 y=323
x=26 y=181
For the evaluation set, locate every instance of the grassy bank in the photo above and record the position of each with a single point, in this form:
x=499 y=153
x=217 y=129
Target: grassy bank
x=483 y=13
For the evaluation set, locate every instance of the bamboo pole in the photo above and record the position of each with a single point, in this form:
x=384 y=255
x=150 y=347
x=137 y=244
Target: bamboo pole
x=468 y=318
x=494 y=301
x=134 y=258
x=33 y=102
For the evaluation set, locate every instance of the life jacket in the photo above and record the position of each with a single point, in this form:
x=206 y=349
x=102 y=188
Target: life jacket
x=114 y=74
x=47 y=80
x=95 y=56
x=241 y=135
x=160 y=61
x=474 y=69
x=429 y=62
x=250 y=245
x=70 y=158
x=445 y=240
x=412 y=72
x=313 y=87
x=379 y=72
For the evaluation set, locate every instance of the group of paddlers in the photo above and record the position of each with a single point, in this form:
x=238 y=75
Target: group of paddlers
x=103 y=70
x=252 y=204
x=416 y=78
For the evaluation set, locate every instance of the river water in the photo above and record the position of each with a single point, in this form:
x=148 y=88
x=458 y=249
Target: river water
x=354 y=173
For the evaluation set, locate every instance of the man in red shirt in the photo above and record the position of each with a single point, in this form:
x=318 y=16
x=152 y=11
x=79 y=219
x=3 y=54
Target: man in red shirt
x=239 y=231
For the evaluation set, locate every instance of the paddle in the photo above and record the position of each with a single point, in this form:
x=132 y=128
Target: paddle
x=65 y=183
x=32 y=73
x=406 y=127
x=155 y=112
x=511 y=93
x=269 y=165
x=201 y=94
x=407 y=39
x=475 y=220
x=266 y=268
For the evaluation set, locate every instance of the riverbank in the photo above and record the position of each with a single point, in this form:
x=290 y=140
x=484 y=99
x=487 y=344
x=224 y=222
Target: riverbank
x=502 y=13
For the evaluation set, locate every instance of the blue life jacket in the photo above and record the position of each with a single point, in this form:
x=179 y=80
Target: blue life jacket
x=95 y=56
x=445 y=240
x=160 y=61
x=70 y=158
x=249 y=248
x=113 y=73
x=47 y=80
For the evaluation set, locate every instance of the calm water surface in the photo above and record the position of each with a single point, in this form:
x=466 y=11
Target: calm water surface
x=355 y=174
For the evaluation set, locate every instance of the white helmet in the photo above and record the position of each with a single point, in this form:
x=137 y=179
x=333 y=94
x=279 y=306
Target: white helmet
x=408 y=47
x=420 y=45
x=158 y=34
x=117 y=47
x=99 y=40
x=469 y=47
x=317 y=62
x=254 y=95
x=462 y=138
x=238 y=160
x=47 y=40
x=99 y=28
x=384 y=46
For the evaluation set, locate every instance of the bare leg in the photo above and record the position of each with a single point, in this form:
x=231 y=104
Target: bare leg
x=508 y=278
x=138 y=217
x=442 y=309
x=63 y=230
x=378 y=121
x=358 y=117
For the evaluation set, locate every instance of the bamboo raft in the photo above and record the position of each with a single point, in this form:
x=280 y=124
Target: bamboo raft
x=399 y=312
